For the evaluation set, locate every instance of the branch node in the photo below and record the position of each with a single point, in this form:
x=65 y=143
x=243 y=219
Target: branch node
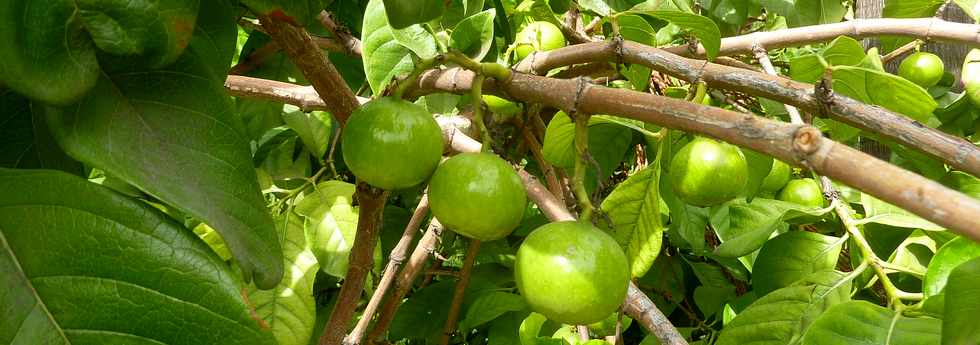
x=824 y=93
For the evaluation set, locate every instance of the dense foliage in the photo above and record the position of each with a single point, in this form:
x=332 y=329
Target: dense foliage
x=140 y=203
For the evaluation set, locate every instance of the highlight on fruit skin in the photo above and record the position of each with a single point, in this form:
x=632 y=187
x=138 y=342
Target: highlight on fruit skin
x=477 y=195
x=778 y=176
x=572 y=272
x=706 y=172
x=970 y=76
x=923 y=69
x=391 y=143
x=537 y=36
x=804 y=191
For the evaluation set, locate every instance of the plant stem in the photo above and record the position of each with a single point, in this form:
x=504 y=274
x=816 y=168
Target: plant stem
x=464 y=281
x=477 y=94
x=581 y=165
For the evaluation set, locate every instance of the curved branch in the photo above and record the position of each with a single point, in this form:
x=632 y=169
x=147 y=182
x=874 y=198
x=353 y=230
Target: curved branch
x=958 y=153
x=924 y=28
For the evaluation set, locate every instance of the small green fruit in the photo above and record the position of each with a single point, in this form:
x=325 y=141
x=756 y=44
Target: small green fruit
x=706 y=172
x=392 y=144
x=537 y=36
x=477 y=195
x=924 y=69
x=778 y=177
x=803 y=191
x=503 y=108
x=970 y=75
x=572 y=272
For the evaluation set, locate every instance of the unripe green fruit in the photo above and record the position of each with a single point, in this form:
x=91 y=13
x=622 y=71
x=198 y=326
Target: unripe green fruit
x=538 y=36
x=572 y=272
x=706 y=172
x=803 y=191
x=924 y=69
x=503 y=108
x=392 y=144
x=778 y=177
x=970 y=75
x=477 y=195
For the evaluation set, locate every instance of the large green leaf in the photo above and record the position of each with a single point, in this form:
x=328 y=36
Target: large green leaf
x=215 y=35
x=489 y=306
x=25 y=141
x=877 y=211
x=408 y=12
x=886 y=90
x=474 y=35
x=842 y=51
x=807 y=12
x=81 y=264
x=783 y=316
x=289 y=309
x=960 y=318
x=971 y=7
x=702 y=27
x=950 y=255
x=607 y=7
x=172 y=133
x=608 y=143
x=331 y=223
x=759 y=167
x=743 y=227
x=906 y=9
x=790 y=257
x=384 y=57
x=634 y=209
x=300 y=12
x=63 y=37
x=864 y=323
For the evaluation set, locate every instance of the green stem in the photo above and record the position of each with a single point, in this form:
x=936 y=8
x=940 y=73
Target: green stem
x=412 y=78
x=431 y=31
x=581 y=163
x=477 y=95
x=699 y=91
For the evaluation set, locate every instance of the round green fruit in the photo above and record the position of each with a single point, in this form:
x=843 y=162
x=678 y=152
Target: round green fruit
x=572 y=272
x=970 y=75
x=477 y=195
x=778 y=177
x=804 y=191
x=706 y=172
x=504 y=109
x=391 y=143
x=924 y=69
x=537 y=36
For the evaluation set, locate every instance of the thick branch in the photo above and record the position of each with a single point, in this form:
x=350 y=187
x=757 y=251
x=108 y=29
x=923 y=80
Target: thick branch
x=371 y=201
x=958 y=153
x=306 y=54
x=923 y=28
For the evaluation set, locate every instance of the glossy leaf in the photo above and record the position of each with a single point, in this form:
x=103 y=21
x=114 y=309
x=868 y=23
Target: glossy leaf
x=489 y=306
x=474 y=35
x=744 y=227
x=783 y=316
x=877 y=211
x=914 y=253
x=85 y=265
x=842 y=51
x=791 y=256
x=807 y=12
x=331 y=223
x=963 y=291
x=759 y=166
x=607 y=144
x=863 y=323
x=886 y=90
x=313 y=129
x=25 y=140
x=405 y=13
x=384 y=57
x=634 y=209
x=702 y=27
x=416 y=39
x=949 y=256
x=172 y=133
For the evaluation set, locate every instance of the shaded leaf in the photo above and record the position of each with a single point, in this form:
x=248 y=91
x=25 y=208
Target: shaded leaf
x=490 y=306
x=877 y=211
x=863 y=323
x=743 y=227
x=474 y=35
x=792 y=256
x=25 y=140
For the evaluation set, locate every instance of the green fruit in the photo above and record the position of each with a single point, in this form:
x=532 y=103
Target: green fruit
x=403 y=13
x=777 y=178
x=706 y=172
x=803 y=191
x=962 y=182
x=477 y=195
x=970 y=75
x=392 y=144
x=924 y=69
x=572 y=272
x=503 y=108
x=538 y=36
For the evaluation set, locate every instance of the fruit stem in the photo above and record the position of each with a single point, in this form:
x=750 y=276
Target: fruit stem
x=581 y=162
x=477 y=95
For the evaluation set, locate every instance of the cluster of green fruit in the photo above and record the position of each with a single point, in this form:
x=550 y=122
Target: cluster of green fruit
x=569 y=271
x=927 y=69
x=706 y=172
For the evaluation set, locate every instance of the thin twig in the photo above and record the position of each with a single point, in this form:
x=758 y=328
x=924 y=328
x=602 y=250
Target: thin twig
x=901 y=50
x=763 y=56
x=464 y=280
x=351 y=44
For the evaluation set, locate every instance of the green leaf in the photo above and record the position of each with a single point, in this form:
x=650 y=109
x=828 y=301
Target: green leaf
x=312 y=128
x=807 y=12
x=877 y=211
x=759 y=167
x=886 y=90
x=299 y=12
x=25 y=141
x=950 y=255
x=959 y=319
x=711 y=300
x=172 y=133
x=634 y=209
x=384 y=57
x=474 y=35
x=331 y=223
x=743 y=227
x=504 y=329
x=637 y=29
x=971 y=7
x=608 y=143
x=289 y=309
x=702 y=27
x=85 y=265
x=607 y=7
x=783 y=316
x=530 y=328
x=906 y=9
x=863 y=323
x=842 y=51
x=490 y=306
x=215 y=35
x=791 y=256
x=416 y=39
x=914 y=253
x=405 y=13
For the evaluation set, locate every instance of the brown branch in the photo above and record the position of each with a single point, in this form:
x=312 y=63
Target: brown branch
x=426 y=245
x=642 y=309
x=571 y=27
x=927 y=29
x=395 y=260
x=351 y=44
x=546 y=168
x=464 y=280
x=306 y=54
x=952 y=150
x=900 y=51
x=371 y=201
